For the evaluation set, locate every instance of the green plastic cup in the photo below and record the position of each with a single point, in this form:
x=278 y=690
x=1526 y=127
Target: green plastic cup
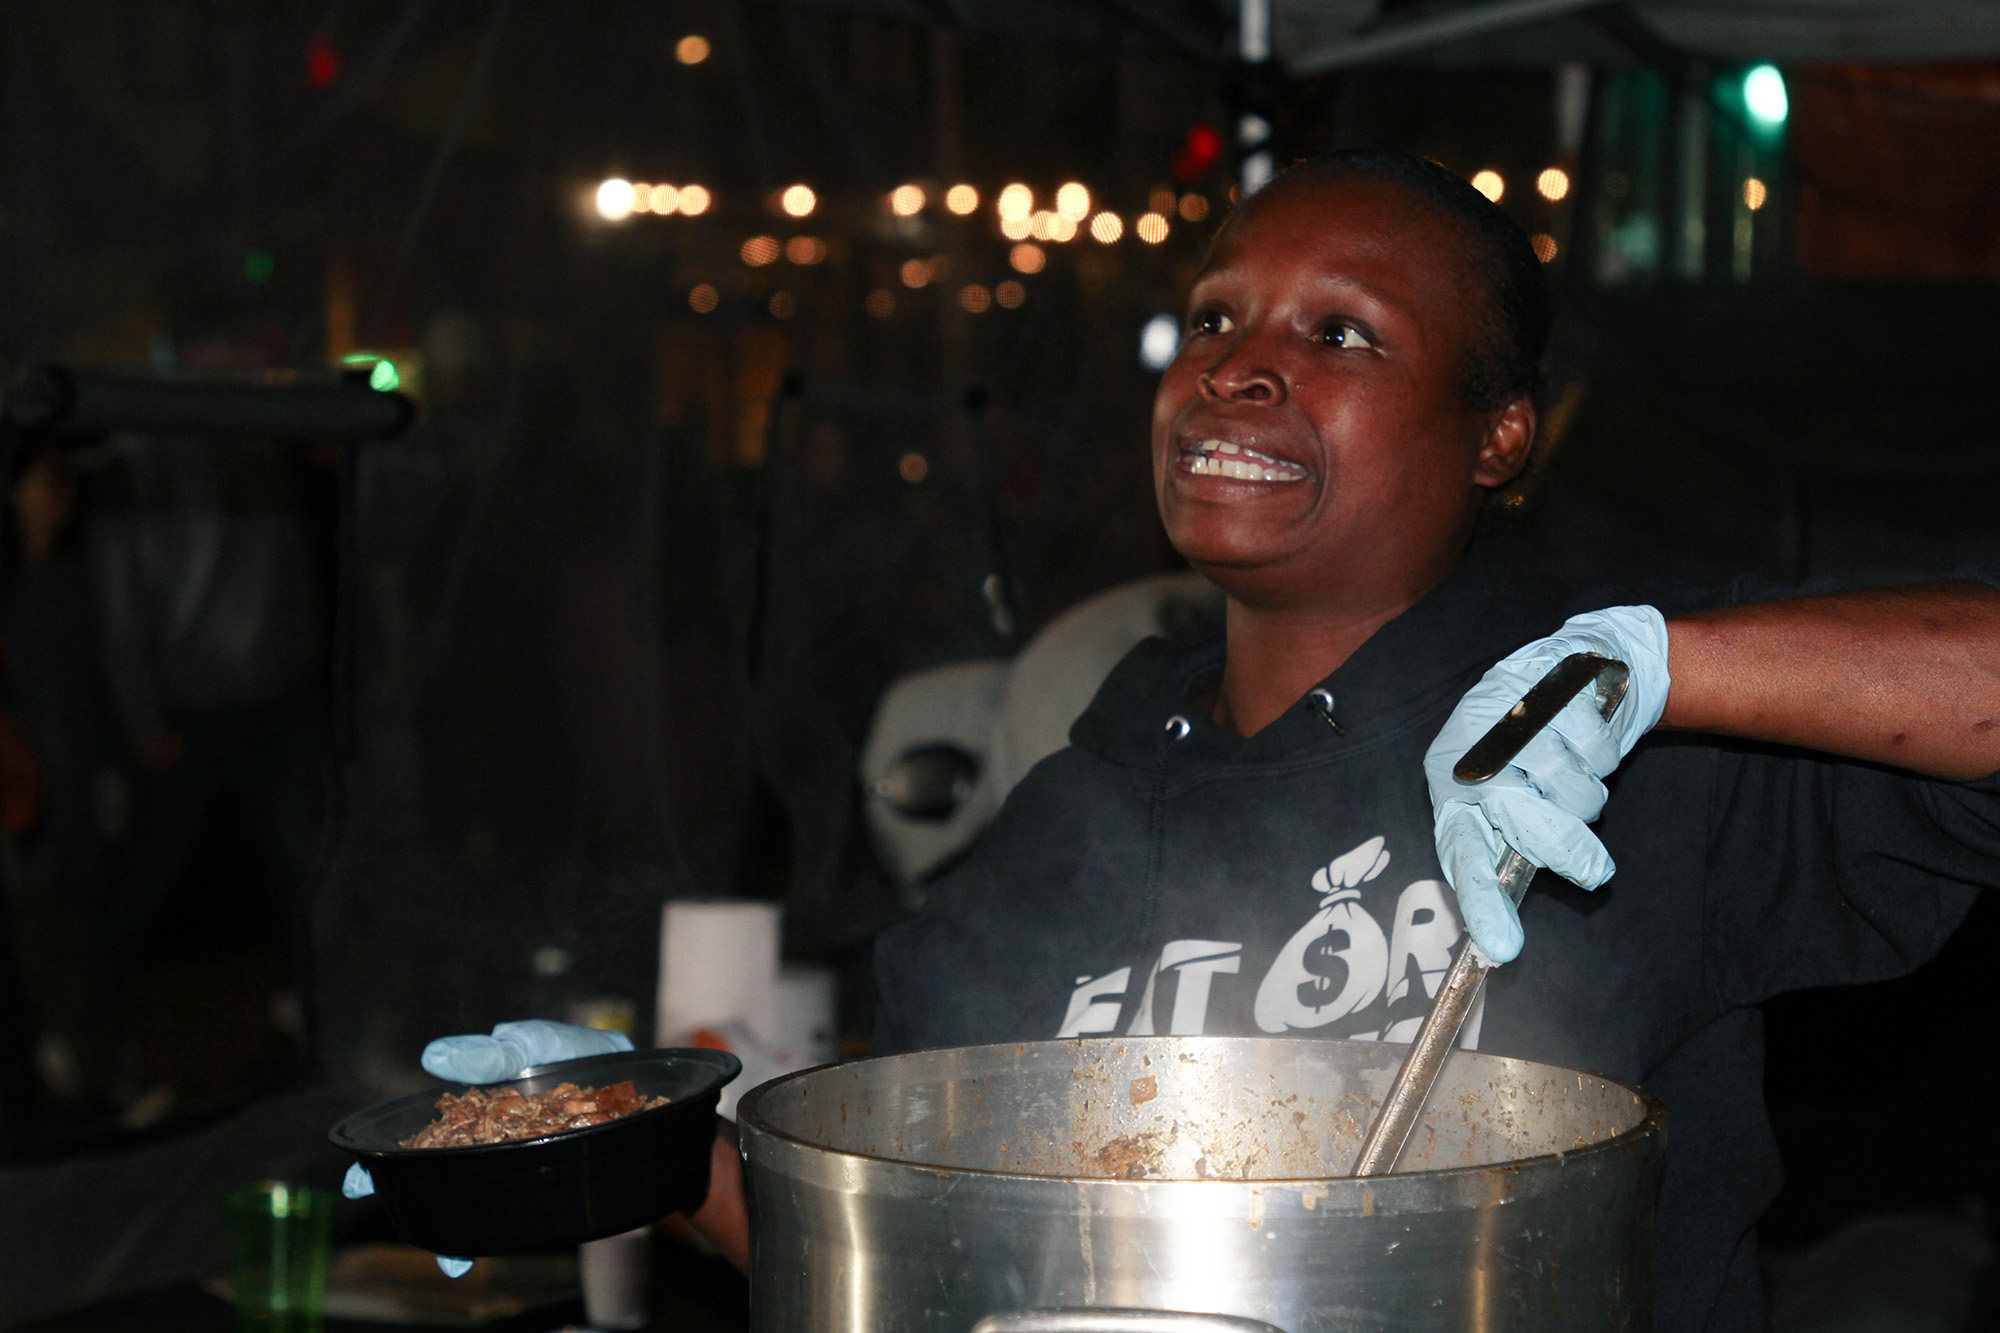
x=279 y=1235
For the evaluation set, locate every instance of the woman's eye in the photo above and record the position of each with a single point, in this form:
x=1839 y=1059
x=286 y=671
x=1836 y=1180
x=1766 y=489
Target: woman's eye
x=1208 y=321
x=1347 y=337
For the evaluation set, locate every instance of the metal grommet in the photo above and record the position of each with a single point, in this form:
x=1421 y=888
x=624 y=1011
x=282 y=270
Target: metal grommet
x=1178 y=727
x=1321 y=699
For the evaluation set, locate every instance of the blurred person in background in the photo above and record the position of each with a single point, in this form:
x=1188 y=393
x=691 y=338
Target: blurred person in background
x=215 y=637
x=56 y=688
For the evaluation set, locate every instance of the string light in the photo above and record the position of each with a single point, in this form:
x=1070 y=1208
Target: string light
x=1027 y=258
x=1016 y=201
x=691 y=49
x=642 y=198
x=1016 y=229
x=961 y=199
x=913 y=467
x=666 y=200
x=1073 y=201
x=937 y=266
x=614 y=199
x=1043 y=224
x=783 y=305
x=881 y=303
x=974 y=299
x=1194 y=207
x=695 y=200
x=1152 y=228
x=1755 y=194
x=1106 y=228
x=1552 y=184
x=805 y=250
x=1161 y=200
x=915 y=273
x=798 y=200
x=1010 y=294
x=703 y=299
x=906 y=200
x=1490 y=184
x=1545 y=246
x=759 y=251
x=1062 y=229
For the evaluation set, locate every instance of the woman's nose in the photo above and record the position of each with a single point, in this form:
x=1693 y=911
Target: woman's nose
x=1242 y=375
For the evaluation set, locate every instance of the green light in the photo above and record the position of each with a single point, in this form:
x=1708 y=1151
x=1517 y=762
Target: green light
x=1764 y=94
x=384 y=377
x=258 y=264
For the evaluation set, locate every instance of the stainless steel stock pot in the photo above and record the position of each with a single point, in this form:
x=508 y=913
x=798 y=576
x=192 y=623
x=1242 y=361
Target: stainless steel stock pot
x=1195 y=1174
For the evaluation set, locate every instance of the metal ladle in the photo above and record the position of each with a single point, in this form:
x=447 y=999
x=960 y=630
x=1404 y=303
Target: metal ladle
x=1466 y=981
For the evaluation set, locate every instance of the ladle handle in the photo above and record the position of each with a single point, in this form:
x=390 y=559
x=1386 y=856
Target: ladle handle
x=1111 y=1320
x=1466 y=981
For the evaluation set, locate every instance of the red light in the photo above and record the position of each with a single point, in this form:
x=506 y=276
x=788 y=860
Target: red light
x=1199 y=154
x=322 y=62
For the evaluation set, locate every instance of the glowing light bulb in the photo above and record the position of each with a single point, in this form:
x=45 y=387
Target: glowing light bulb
x=906 y=200
x=1016 y=229
x=1552 y=184
x=798 y=200
x=692 y=49
x=1545 y=246
x=1764 y=94
x=1016 y=201
x=642 y=197
x=1194 y=207
x=1028 y=258
x=1010 y=294
x=915 y=273
x=1159 y=340
x=759 y=251
x=1073 y=201
x=1152 y=228
x=666 y=200
x=1755 y=194
x=974 y=299
x=614 y=199
x=805 y=251
x=695 y=200
x=1490 y=184
x=961 y=199
x=1106 y=228
x=703 y=299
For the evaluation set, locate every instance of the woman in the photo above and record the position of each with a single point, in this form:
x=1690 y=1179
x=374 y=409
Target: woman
x=1247 y=837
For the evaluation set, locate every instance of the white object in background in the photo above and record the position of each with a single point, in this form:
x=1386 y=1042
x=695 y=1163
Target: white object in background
x=617 y=1274
x=800 y=1031
x=718 y=965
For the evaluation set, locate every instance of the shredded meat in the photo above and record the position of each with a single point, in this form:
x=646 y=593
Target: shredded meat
x=482 y=1116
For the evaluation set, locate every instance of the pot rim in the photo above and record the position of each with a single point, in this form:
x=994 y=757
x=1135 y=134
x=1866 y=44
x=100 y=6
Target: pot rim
x=1652 y=1124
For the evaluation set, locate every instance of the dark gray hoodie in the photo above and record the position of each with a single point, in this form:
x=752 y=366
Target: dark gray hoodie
x=1164 y=876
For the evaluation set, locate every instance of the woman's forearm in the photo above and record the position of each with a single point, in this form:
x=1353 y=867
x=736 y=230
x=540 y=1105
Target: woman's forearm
x=1908 y=676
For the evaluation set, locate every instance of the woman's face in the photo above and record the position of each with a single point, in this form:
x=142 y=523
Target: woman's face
x=1308 y=442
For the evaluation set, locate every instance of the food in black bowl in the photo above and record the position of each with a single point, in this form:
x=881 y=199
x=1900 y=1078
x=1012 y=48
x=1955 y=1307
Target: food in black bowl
x=558 y=1190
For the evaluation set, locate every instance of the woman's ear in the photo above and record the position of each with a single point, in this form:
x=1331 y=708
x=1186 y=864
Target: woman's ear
x=1509 y=439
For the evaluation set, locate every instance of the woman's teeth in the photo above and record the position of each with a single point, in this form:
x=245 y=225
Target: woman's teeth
x=1219 y=458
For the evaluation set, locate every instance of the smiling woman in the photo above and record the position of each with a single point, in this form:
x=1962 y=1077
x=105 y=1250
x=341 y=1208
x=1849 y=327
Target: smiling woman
x=1339 y=405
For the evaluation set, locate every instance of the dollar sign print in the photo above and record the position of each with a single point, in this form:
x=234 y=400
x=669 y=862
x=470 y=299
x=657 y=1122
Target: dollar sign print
x=1324 y=960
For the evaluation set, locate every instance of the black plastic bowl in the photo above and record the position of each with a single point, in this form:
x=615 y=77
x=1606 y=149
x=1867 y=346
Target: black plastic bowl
x=557 y=1191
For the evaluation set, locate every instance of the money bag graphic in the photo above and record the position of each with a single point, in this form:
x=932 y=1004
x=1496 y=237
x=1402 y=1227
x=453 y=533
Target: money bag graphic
x=1336 y=963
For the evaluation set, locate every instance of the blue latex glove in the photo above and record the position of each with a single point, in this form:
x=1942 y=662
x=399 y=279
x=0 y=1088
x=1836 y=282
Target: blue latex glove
x=358 y=1184
x=516 y=1046
x=1540 y=803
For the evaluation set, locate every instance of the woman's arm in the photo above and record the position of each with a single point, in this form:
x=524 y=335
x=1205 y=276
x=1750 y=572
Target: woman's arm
x=1908 y=676
x=723 y=1216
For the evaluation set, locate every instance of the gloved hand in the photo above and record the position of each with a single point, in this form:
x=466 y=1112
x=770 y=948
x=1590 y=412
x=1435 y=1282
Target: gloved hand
x=358 y=1184
x=1540 y=803
x=475 y=1058
x=472 y=1058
